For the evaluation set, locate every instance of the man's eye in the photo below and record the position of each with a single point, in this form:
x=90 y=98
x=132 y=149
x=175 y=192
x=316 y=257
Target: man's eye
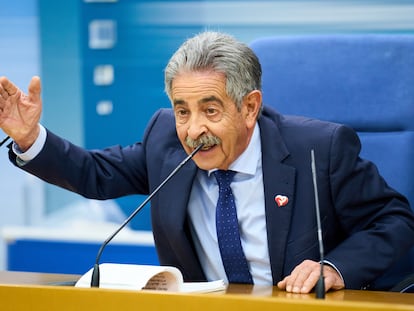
x=211 y=111
x=181 y=115
x=181 y=112
x=213 y=114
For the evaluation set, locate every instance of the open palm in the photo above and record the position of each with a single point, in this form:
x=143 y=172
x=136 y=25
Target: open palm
x=20 y=113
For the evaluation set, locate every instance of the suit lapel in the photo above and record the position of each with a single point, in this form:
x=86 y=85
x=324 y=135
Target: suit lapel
x=177 y=191
x=278 y=179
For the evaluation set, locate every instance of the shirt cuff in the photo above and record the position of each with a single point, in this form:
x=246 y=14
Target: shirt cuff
x=33 y=151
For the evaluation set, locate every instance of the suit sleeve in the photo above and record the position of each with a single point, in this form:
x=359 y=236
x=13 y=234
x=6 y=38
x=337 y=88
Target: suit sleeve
x=98 y=174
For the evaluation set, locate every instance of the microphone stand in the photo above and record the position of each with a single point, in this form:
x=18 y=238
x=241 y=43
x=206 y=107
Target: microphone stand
x=4 y=140
x=95 y=279
x=320 y=285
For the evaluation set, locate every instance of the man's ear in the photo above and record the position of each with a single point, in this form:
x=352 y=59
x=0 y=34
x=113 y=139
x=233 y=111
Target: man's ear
x=252 y=104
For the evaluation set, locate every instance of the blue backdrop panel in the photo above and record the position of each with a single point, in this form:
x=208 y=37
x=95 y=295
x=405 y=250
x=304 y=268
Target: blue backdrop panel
x=72 y=257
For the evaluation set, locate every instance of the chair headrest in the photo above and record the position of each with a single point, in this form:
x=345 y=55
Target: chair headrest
x=365 y=81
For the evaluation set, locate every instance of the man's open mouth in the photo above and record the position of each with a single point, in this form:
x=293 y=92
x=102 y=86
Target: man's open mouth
x=207 y=147
x=208 y=142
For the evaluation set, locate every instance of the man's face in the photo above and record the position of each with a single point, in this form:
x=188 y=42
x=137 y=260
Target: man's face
x=202 y=108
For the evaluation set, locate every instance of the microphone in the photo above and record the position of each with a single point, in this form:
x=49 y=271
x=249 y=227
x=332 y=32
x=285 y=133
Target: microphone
x=95 y=279
x=4 y=140
x=320 y=285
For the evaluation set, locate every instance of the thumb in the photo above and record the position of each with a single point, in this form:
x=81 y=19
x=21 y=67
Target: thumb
x=34 y=89
x=282 y=284
x=8 y=86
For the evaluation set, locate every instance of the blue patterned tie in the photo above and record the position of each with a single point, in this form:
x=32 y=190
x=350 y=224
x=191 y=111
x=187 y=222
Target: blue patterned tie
x=228 y=235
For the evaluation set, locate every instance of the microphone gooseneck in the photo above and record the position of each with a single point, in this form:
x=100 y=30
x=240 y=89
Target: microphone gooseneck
x=4 y=140
x=95 y=279
x=320 y=285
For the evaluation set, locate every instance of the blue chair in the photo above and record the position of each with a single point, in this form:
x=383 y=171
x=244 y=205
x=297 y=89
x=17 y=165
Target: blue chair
x=363 y=80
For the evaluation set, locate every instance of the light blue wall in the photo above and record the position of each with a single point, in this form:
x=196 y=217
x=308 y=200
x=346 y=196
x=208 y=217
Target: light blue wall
x=21 y=195
x=19 y=60
x=61 y=76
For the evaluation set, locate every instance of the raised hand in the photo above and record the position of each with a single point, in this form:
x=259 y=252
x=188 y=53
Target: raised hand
x=20 y=113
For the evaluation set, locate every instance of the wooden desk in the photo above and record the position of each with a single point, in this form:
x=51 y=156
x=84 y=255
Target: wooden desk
x=37 y=291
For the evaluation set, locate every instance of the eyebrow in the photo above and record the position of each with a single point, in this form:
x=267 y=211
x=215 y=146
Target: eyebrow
x=204 y=100
x=210 y=99
x=178 y=102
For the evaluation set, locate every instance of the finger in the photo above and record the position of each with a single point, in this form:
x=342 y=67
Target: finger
x=9 y=88
x=282 y=284
x=34 y=89
x=303 y=277
x=289 y=281
x=304 y=280
x=332 y=279
x=309 y=283
x=3 y=92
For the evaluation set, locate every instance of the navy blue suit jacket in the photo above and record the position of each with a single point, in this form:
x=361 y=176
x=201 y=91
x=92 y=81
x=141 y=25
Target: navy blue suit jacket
x=366 y=224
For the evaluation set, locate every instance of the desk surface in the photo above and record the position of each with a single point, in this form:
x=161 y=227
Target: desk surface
x=18 y=290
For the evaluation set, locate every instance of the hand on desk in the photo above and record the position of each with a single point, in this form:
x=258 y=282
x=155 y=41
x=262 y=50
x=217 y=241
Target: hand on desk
x=305 y=276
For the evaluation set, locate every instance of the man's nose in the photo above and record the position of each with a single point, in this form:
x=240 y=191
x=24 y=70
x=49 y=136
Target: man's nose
x=197 y=127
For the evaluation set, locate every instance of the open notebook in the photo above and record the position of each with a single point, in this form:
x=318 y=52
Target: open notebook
x=147 y=277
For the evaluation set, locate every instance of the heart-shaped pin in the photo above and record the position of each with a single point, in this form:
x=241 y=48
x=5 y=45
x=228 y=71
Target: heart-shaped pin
x=281 y=200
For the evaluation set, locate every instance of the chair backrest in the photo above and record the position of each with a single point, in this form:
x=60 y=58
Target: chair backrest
x=363 y=80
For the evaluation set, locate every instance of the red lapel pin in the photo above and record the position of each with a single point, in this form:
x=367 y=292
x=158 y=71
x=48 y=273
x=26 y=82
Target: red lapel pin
x=281 y=200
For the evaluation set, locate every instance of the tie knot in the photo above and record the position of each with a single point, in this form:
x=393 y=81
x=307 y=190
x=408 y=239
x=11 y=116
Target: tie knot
x=224 y=178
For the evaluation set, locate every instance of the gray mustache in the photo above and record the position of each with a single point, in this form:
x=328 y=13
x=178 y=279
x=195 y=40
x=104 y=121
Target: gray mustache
x=206 y=140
